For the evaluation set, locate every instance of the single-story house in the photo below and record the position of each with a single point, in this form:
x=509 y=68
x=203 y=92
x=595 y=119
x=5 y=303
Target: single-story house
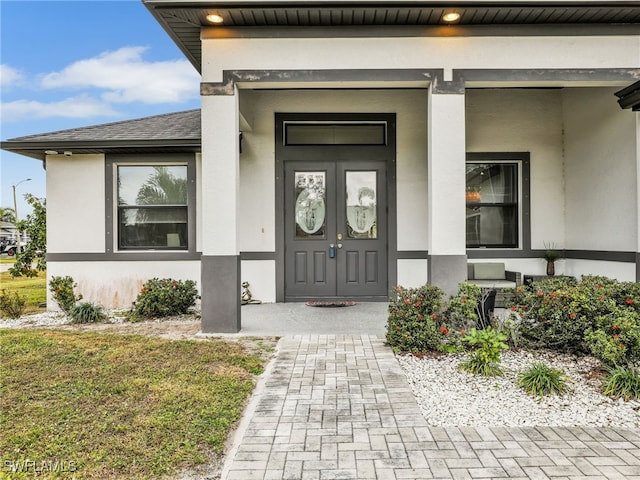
x=344 y=147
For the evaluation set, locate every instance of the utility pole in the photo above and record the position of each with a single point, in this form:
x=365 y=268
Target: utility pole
x=15 y=210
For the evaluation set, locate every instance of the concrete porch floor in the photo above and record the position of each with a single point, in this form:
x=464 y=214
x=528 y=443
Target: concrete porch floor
x=368 y=318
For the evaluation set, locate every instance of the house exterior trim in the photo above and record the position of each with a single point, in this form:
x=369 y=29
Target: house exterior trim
x=389 y=31
x=412 y=255
x=598 y=255
x=602 y=255
x=421 y=78
x=173 y=256
x=258 y=255
x=622 y=75
x=110 y=203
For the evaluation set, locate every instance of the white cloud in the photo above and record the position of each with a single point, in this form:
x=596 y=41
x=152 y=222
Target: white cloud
x=125 y=77
x=9 y=76
x=74 y=107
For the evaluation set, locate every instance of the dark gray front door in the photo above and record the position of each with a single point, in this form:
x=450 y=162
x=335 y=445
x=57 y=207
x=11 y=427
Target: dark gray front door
x=335 y=229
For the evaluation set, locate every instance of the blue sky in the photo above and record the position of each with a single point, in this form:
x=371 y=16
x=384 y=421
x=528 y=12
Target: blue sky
x=67 y=64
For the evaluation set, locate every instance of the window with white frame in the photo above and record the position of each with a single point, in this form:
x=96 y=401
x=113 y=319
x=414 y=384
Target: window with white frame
x=152 y=207
x=492 y=204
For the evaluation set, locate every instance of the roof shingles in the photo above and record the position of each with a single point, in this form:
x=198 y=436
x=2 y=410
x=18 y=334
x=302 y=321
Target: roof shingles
x=171 y=126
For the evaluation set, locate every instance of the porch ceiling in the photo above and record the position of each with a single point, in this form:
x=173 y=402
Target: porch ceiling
x=183 y=20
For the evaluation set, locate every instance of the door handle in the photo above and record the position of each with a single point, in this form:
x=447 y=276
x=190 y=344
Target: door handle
x=332 y=251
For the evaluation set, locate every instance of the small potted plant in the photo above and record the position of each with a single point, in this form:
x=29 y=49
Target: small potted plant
x=550 y=254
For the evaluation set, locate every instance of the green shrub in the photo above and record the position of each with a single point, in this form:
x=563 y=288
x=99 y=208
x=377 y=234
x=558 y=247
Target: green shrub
x=165 y=297
x=485 y=358
x=12 y=304
x=414 y=319
x=510 y=328
x=557 y=313
x=540 y=380
x=622 y=382
x=87 y=312
x=62 y=290
x=616 y=338
x=461 y=312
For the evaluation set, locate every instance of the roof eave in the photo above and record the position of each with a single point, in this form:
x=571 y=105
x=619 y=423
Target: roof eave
x=37 y=149
x=150 y=5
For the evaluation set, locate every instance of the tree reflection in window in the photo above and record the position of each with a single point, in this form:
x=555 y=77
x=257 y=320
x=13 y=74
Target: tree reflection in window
x=152 y=210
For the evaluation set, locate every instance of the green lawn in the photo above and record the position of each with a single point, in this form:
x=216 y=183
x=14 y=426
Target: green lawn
x=118 y=406
x=34 y=289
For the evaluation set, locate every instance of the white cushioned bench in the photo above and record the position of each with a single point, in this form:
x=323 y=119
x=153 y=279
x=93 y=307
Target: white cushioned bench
x=492 y=275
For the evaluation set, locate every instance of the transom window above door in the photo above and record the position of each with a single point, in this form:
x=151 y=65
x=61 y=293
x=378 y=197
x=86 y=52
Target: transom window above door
x=335 y=133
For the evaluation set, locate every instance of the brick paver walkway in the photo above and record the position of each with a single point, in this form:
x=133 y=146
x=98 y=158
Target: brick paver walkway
x=337 y=407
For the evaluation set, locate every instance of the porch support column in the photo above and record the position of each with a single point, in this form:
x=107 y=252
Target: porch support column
x=638 y=196
x=220 y=264
x=446 y=182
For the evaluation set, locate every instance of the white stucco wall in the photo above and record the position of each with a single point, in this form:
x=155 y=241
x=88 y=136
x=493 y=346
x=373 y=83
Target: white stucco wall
x=116 y=284
x=412 y=273
x=501 y=120
x=621 y=271
x=422 y=52
x=261 y=275
x=75 y=204
x=600 y=171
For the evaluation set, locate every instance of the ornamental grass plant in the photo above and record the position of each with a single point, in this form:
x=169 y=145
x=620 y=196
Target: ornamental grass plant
x=540 y=380
x=87 y=312
x=622 y=382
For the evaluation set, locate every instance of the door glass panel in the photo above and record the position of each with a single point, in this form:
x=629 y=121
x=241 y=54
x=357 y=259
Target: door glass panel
x=361 y=199
x=310 y=207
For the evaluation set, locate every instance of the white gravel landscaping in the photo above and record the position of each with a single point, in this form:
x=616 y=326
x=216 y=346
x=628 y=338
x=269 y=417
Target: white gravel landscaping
x=449 y=396
x=50 y=319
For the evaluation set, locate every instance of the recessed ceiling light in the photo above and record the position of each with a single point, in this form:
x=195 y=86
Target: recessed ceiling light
x=215 y=18
x=50 y=152
x=451 y=17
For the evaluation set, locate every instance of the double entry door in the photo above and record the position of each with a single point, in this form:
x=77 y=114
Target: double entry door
x=335 y=230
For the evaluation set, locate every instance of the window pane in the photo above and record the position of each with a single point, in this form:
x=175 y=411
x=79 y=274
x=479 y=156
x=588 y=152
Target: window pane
x=152 y=227
x=336 y=134
x=492 y=182
x=152 y=185
x=492 y=204
x=310 y=207
x=492 y=226
x=362 y=221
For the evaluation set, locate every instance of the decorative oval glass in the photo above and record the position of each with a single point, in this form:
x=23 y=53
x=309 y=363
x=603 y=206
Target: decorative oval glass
x=361 y=204
x=310 y=206
x=310 y=211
